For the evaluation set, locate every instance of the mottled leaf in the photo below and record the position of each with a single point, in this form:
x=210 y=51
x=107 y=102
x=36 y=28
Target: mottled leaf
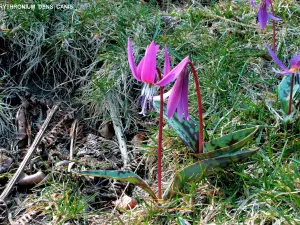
x=284 y=91
x=204 y=168
x=188 y=131
x=227 y=144
x=126 y=176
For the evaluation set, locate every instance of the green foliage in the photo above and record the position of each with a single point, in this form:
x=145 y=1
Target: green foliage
x=227 y=143
x=284 y=91
x=188 y=131
x=126 y=176
x=204 y=168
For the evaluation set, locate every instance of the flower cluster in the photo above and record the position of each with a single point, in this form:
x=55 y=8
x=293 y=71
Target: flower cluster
x=146 y=72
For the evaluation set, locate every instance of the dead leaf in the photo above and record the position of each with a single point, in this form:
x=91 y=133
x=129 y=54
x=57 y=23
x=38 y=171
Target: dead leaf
x=125 y=202
x=5 y=162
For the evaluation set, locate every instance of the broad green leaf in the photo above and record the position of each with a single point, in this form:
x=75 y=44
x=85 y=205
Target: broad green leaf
x=284 y=91
x=188 y=131
x=120 y=175
x=204 y=168
x=227 y=144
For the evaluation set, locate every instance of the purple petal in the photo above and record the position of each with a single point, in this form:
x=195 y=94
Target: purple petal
x=140 y=66
x=166 y=79
x=295 y=61
x=131 y=61
x=174 y=72
x=275 y=58
x=268 y=3
x=149 y=65
x=180 y=109
x=263 y=18
x=184 y=95
x=167 y=62
x=174 y=97
x=253 y=4
x=274 y=17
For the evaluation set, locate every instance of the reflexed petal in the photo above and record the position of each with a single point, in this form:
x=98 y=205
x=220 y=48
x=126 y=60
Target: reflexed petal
x=131 y=61
x=284 y=72
x=295 y=61
x=263 y=18
x=253 y=4
x=268 y=3
x=166 y=79
x=274 y=17
x=149 y=66
x=167 y=62
x=165 y=95
x=174 y=72
x=184 y=95
x=174 y=97
x=275 y=58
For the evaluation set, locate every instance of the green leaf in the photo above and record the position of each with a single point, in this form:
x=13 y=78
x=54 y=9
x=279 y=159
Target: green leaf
x=204 y=168
x=227 y=144
x=284 y=91
x=120 y=175
x=188 y=131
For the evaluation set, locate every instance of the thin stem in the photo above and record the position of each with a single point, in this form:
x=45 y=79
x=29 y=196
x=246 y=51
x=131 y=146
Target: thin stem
x=199 y=98
x=159 y=151
x=274 y=29
x=291 y=94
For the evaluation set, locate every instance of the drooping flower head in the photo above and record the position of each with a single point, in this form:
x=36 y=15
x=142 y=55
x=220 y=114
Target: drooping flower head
x=178 y=95
x=263 y=14
x=294 y=63
x=145 y=72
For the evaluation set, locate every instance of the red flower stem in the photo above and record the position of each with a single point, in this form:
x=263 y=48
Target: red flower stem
x=291 y=94
x=274 y=29
x=199 y=98
x=159 y=151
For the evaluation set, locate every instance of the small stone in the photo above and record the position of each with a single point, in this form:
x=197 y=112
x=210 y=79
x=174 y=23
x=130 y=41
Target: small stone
x=125 y=202
x=107 y=131
x=138 y=139
x=5 y=162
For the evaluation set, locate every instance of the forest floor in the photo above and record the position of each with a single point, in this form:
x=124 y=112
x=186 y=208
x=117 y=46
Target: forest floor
x=78 y=58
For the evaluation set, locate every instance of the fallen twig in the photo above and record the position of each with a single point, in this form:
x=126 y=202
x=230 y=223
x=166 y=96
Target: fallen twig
x=29 y=153
x=73 y=133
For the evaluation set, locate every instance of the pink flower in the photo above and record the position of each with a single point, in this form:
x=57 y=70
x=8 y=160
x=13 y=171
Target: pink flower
x=294 y=63
x=145 y=72
x=178 y=95
x=263 y=14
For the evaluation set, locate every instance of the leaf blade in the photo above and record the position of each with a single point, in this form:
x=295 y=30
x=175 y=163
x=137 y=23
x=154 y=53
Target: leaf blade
x=120 y=175
x=227 y=143
x=284 y=91
x=204 y=168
